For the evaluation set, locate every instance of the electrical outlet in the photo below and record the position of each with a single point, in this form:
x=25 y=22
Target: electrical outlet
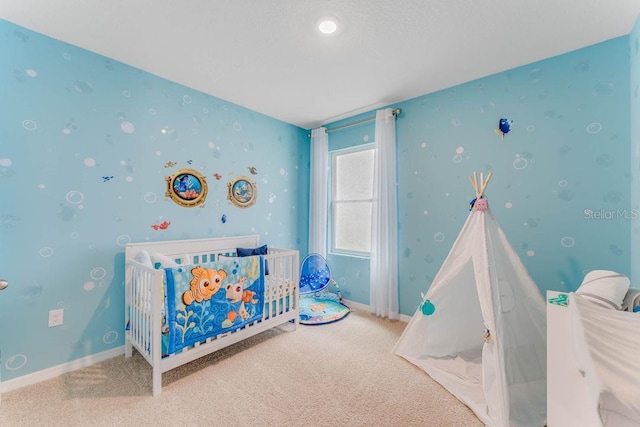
x=56 y=317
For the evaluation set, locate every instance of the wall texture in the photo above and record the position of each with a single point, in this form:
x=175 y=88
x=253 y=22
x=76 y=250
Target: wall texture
x=86 y=144
x=561 y=185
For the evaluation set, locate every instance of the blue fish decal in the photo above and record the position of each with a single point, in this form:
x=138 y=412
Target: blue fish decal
x=223 y=219
x=504 y=127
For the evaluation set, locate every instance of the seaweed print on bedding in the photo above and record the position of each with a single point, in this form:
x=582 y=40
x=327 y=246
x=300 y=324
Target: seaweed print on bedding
x=204 y=285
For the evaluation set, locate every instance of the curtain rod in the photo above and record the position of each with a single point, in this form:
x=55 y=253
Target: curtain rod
x=396 y=112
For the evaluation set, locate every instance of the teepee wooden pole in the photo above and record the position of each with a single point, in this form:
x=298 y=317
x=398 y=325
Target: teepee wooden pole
x=473 y=184
x=484 y=185
x=480 y=186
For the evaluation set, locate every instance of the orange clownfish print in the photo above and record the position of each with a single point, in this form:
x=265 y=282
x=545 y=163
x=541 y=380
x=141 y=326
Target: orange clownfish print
x=205 y=283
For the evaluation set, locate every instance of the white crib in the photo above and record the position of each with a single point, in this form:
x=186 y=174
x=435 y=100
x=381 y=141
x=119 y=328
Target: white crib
x=144 y=298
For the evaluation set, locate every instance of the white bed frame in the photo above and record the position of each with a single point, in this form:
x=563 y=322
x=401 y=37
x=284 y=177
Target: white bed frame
x=567 y=391
x=144 y=298
x=569 y=398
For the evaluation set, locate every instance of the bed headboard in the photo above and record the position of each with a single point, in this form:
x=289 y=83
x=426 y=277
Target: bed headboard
x=192 y=247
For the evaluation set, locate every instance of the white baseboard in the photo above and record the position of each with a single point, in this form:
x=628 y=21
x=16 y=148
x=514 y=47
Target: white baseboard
x=367 y=308
x=357 y=306
x=55 y=371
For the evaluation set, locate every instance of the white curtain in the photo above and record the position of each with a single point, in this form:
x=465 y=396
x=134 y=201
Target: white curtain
x=384 y=224
x=318 y=200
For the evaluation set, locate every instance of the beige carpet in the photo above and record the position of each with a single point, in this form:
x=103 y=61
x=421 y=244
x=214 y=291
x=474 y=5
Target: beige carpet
x=341 y=374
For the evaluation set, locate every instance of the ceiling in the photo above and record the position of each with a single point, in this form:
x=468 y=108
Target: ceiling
x=268 y=56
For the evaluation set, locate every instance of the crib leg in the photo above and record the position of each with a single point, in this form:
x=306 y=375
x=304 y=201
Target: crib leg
x=157 y=382
x=128 y=348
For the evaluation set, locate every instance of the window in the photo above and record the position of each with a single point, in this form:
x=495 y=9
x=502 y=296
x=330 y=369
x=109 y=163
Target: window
x=352 y=200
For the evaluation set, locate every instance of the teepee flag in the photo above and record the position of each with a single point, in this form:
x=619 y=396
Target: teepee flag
x=480 y=329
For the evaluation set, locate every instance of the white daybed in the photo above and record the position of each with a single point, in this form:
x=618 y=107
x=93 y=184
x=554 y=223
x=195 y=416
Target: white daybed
x=593 y=376
x=146 y=305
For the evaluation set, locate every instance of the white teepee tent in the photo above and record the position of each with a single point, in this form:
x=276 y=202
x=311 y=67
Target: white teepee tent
x=481 y=328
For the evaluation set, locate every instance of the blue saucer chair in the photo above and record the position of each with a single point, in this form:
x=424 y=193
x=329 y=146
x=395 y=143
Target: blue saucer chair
x=320 y=296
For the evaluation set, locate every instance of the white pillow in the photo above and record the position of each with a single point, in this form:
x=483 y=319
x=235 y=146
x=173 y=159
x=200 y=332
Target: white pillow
x=605 y=288
x=143 y=258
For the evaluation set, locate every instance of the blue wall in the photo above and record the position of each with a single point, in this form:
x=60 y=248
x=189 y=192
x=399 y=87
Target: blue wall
x=567 y=154
x=634 y=55
x=86 y=144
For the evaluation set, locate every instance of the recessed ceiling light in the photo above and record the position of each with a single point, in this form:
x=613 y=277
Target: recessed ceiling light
x=328 y=25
